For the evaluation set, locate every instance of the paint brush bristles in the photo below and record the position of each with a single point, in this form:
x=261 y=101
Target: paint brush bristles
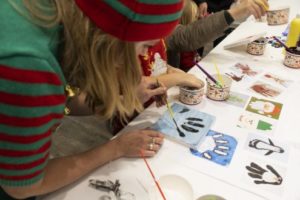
x=152 y=174
x=218 y=73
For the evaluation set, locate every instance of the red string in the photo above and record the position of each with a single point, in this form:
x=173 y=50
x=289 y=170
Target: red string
x=152 y=174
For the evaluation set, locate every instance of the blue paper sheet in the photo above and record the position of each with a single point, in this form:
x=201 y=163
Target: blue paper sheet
x=193 y=124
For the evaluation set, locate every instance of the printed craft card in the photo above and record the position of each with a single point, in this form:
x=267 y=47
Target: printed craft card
x=265 y=89
x=256 y=123
x=278 y=80
x=265 y=107
x=237 y=99
x=193 y=125
x=246 y=69
x=217 y=147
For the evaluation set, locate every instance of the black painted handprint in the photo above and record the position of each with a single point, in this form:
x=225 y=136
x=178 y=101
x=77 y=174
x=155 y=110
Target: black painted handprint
x=192 y=124
x=264 y=176
x=184 y=110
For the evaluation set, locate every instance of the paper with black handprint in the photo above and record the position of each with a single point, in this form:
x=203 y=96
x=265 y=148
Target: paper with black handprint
x=216 y=147
x=264 y=176
x=192 y=123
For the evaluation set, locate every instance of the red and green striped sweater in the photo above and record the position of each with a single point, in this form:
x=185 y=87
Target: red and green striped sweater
x=32 y=97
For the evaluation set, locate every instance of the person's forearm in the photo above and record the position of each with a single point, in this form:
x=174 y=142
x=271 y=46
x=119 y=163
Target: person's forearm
x=197 y=34
x=63 y=171
x=170 y=80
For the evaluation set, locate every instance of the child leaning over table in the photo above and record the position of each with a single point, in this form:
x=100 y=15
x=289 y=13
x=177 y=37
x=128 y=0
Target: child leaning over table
x=155 y=69
x=92 y=44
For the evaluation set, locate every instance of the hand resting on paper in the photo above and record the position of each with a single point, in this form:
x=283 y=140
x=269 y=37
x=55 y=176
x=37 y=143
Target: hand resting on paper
x=130 y=144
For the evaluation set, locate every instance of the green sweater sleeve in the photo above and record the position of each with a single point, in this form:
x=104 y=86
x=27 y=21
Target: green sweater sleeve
x=32 y=96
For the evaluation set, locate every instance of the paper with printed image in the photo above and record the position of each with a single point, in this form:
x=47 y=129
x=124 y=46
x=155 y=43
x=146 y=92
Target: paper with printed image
x=193 y=125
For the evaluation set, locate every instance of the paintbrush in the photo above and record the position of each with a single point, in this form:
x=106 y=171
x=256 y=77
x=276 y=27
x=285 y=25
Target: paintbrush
x=280 y=42
x=218 y=72
x=209 y=76
x=160 y=99
x=165 y=100
x=152 y=174
x=181 y=134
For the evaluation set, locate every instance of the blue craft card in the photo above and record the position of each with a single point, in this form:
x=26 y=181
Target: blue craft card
x=217 y=147
x=192 y=123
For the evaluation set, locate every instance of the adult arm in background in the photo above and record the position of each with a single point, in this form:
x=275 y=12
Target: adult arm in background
x=193 y=36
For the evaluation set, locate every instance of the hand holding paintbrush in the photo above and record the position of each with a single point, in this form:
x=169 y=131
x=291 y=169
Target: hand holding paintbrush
x=162 y=98
x=148 y=88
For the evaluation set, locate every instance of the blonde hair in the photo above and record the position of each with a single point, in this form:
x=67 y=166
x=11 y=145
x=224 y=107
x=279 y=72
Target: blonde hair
x=104 y=67
x=190 y=12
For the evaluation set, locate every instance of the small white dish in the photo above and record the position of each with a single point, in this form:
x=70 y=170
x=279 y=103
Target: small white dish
x=174 y=187
x=210 y=197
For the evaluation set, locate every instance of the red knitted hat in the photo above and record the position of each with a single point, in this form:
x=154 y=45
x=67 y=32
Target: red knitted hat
x=133 y=20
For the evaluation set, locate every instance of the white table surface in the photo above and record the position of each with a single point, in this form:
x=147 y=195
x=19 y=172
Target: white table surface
x=204 y=176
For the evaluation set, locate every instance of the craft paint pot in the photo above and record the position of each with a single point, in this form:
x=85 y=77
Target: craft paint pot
x=292 y=58
x=278 y=16
x=174 y=187
x=210 y=197
x=190 y=95
x=257 y=47
x=216 y=93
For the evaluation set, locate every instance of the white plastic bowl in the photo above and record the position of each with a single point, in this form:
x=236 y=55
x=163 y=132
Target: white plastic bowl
x=174 y=187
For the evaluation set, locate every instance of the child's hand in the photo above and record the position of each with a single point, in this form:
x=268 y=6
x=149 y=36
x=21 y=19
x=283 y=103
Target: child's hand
x=171 y=70
x=130 y=144
x=160 y=100
x=190 y=80
x=148 y=88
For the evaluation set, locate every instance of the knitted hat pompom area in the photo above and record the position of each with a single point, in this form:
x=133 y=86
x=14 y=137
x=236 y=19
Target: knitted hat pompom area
x=134 y=20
